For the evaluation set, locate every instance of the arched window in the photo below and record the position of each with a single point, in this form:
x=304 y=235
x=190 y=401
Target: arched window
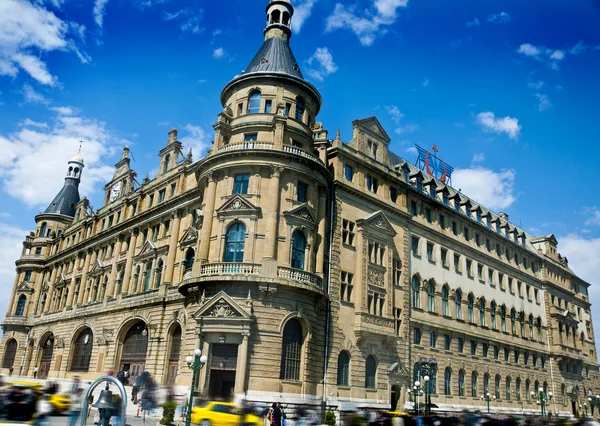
x=291 y=350
x=447 y=381
x=536 y=387
x=493 y=315
x=486 y=384
x=474 y=384
x=120 y=282
x=458 y=304
x=343 y=373
x=527 y=386
x=82 y=351
x=10 y=351
x=166 y=163
x=563 y=394
x=300 y=107
x=518 y=388
x=416 y=292
x=539 y=328
x=431 y=296
x=21 y=305
x=298 y=249
x=234 y=243
x=433 y=380
x=461 y=383
x=445 y=292
x=286 y=18
x=498 y=379
x=159 y=271
x=43 y=229
x=254 y=103
x=482 y=312
x=545 y=387
x=370 y=372
x=508 y=396
x=148 y=274
x=470 y=303
x=275 y=17
x=503 y=318
x=189 y=258
x=513 y=321
x=136 y=277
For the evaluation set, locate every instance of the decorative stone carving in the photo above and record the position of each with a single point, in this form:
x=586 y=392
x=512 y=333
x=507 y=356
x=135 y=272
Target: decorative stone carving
x=379 y=321
x=223 y=309
x=376 y=277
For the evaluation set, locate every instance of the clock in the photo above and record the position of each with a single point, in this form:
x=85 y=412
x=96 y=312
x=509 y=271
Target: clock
x=115 y=191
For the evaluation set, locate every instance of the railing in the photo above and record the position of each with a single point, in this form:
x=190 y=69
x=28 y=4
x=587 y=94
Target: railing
x=245 y=146
x=230 y=268
x=294 y=150
x=298 y=275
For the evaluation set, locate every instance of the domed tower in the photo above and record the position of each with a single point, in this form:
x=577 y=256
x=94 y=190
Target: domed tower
x=260 y=255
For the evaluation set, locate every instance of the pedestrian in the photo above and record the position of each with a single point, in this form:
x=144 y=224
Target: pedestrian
x=275 y=415
x=283 y=415
x=10 y=371
x=134 y=392
x=35 y=370
x=105 y=415
x=75 y=385
x=43 y=409
x=75 y=407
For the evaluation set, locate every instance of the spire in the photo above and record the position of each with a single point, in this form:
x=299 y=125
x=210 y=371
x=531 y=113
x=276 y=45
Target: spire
x=65 y=201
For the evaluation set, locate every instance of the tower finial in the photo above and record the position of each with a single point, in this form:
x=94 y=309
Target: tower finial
x=80 y=144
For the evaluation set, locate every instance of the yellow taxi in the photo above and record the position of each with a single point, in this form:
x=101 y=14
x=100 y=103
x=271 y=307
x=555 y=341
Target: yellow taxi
x=216 y=413
x=60 y=403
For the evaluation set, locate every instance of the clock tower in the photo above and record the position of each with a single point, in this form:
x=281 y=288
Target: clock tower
x=122 y=181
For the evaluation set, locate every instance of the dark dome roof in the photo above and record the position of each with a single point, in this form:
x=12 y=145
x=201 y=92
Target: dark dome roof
x=64 y=202
x=275 y=55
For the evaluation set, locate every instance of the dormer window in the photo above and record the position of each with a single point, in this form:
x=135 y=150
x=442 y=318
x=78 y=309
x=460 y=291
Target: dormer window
x=445 y=199
x=372 y=146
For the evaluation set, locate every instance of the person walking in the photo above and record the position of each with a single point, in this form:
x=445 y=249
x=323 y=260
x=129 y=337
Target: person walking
x=75 y=408
x=275 y=415
x=35 y=370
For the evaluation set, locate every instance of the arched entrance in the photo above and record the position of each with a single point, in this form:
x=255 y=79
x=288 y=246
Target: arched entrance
x=10 y=352
x=47 y=348
x=133 y=353
x=174 y=353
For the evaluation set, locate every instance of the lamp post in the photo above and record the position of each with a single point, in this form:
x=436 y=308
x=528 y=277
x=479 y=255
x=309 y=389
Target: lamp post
x=487 y=398
x=585 y=408
x=597 y=402
x=542 y=399
x=195 y=364
x=428 y=369
x=416 y=392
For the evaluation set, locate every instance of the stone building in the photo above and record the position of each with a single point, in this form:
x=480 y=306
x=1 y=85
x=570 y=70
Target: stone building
x=308 y=270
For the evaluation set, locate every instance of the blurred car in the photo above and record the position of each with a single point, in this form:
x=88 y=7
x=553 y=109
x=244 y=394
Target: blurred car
x=18 y=402
x=216 y=413
x=60 y=403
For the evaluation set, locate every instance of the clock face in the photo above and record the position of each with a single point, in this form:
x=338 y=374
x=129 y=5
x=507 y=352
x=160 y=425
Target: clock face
x=115 y=191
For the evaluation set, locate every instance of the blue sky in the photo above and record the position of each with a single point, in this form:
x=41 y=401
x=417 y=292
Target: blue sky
x=507 y=89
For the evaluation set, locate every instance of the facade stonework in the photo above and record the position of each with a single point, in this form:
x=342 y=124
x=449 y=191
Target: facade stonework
x=308 y=270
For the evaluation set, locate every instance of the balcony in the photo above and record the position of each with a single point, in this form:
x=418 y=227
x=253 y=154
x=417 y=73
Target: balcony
x=229 y=268
x=16 y=320
x=299 y=275
x=246 y=146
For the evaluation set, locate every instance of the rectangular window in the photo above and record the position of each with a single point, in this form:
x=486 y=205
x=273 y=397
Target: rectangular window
x=302 y=194
x=372 y=184
x=461 y=344
x=297 y=144
x=150 y=200
x=417 y=336
x=288 y=107
x=496 y=352
x=348 y=232
x=457 y=262
x=348 y=172
x=393 y=194
x=240 y=184
x=413 y=208
x=155 y=230
x=488 y=244
x=484 y=349
x=38 y=250
x=347 y=286
x=445 y=199
x=466 y=233
x=110 y=220
x=173 y=186
x=398 y=316
x=473 y=347
x=133 y=208
x=268 y=104
x=430 y=252
x=240 y=109
x=454 y=228
x=432 y=339
x=510 y=285
x=506 y=355
x=536 y=294
x=444 y=257
x=477 y=239
x=447 y=342
x=397 y=271
x=442 y=221
x=166 y=226
x=118 y=217
x=490 y=276
x=250 y=137
x=469 y=268
x=27 y=276
x=161 y=195
x=414 y=246
x=501 y=280
x=428 y=215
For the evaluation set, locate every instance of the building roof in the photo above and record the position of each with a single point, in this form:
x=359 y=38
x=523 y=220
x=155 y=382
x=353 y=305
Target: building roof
x=77 y=157
x=275 y=55
x=65 y=201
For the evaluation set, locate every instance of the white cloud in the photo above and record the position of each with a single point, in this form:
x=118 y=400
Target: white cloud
x=594 y=216
x=321 y=64
x=557 y=55
x=474 y=23
x=99 y=6
x=411 y=150
x=30 y=96
x=197 y=139
x=49 y=148
x=408 y=128
x=218 y=53
x=551 y=57
x=536 y=85
x=579 y=48
x=478 y=157
x=543 y=102
x=30 y=123
x=508 y=125
x=494 y=190
x=302 y=12
x=11 y=244
x=26 y=31
x=394 y=112
x=425 y=82
x=499 y=18
x=529 y=50
x=367 y=24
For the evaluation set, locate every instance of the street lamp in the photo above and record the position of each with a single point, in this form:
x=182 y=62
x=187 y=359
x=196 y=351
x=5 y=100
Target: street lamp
x=597 y=403
x=585 y=408
x=195 y=364
x=417 y=391
x=487 y=398
x=428 y=368
x=542 y=399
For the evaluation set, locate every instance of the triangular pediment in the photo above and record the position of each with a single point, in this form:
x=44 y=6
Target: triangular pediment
x=24 y=287
x=302 y=212
x=377 y=220
x=221 y=306
x=190 y=236
x=98 y=265
x=148 y=247
x=373 y=125
x=238 y=204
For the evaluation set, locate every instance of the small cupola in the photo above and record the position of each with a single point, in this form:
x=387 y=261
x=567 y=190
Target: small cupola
x=279 y=19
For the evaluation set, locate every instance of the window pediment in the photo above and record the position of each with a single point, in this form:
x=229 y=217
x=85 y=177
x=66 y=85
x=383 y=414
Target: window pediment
x=377 y=221
x=190 y=236
x=239 y=206
x=221 y=306
x=302 y=213
x=24 y=287
x=97 y=267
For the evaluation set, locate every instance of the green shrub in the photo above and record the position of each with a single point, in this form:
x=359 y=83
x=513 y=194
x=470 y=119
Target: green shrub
x=329 y=418
x=169 y=408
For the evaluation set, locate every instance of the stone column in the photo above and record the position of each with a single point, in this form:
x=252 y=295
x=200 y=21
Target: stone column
x=272 y=214
x=12 y=296
x=83 y=292
x=50 y=290
x=83 y=282
x=240 y=376
x=170 y=264
x=113 y=271
x=321 y=233
x=152 y=274
x=39 y=282
x=129 y=262
x=208 y=211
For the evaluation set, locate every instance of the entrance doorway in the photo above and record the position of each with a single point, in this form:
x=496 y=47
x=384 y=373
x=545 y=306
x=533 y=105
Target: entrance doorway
x=222 y=370
x=133 y=355
x=174 y=356
x=46 y=359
